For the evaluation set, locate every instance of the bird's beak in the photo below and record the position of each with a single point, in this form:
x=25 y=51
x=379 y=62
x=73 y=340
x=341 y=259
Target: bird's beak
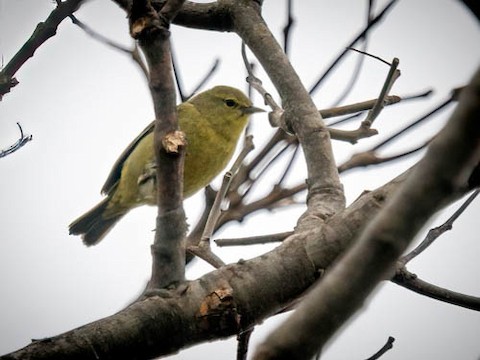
x=252 y=110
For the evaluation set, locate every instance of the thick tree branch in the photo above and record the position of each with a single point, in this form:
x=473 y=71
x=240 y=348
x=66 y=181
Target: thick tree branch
x=208 y=16
x=219 y=304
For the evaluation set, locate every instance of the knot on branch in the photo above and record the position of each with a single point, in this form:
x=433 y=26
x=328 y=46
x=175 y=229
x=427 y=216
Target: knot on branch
x=174 y=141
x=218 y=310
x=146 y=23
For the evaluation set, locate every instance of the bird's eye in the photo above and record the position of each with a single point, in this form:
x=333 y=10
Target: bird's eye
x=230 y=103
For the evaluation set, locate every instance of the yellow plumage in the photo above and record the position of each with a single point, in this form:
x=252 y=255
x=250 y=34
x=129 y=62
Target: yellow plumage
x=212 y=121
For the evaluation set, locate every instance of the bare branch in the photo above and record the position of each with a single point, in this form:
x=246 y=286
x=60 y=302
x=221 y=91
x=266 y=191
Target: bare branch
x=44 y=31
x=358 y=66
x=203 y=249
x=436 y=232
x=133 y=53
x=168 y=249
x=359 y=37
x=178 y=78
x=206 y=77
x=392 y=76
x=388 y=345
x=357 y=107
x=371 y=55
x=410 y=281
x=367 y=105
x=18 y=144
x=275 y=116
x=368 y=158
x=288 y=26
x=413 y=124
x=254 y=240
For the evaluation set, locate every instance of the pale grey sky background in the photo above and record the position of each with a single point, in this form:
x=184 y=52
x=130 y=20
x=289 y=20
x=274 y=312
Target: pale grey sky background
x=83 y=102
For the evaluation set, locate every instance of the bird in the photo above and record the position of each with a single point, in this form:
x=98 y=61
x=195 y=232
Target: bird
x=212 y=121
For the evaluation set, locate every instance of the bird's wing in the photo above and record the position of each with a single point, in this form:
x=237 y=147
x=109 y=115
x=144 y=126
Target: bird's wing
x=116 y=171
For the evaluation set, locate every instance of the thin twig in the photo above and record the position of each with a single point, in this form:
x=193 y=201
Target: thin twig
x=392 y=76
x=44 y=31
x=388 y=345
x=288 y=27
x=133 y=53
x=18 y=144
x=423 y=94
x=410 y=281
x=216 y=208
x=370 y=55
x=206 y=77
x=367 y=105
x=203 y=250
x=413 y=124
x=270 y=162
x=178 y=77
x=254 y=240
x=357 y=107
x=360 y=36
x=289 y=165
x=358 y=66
x=367 y=158
x=436 y=232
x=365 y=130
x=275 y=115
x=97 y=36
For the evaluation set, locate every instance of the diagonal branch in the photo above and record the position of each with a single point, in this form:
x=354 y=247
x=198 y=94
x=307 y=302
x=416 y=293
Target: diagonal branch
x=436 y=232
x=133 y=53
x=44 y=31
x=412 y=282
x=325 y=195
x=375 y=21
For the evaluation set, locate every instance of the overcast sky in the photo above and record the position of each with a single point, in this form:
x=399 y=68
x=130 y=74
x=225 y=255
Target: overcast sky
x=84 y=102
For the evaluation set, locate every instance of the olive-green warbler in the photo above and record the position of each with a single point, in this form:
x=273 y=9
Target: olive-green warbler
x=212 y=121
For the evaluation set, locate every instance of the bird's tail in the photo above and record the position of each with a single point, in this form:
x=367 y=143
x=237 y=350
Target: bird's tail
x=95 y=224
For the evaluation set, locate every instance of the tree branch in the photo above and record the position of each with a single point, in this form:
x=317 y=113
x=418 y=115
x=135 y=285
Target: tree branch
x=44 y=31
x=325 y=193
x=436 y=232
x=357 y=38
x=219 y=304
x=168 y=249
x=411 y=281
